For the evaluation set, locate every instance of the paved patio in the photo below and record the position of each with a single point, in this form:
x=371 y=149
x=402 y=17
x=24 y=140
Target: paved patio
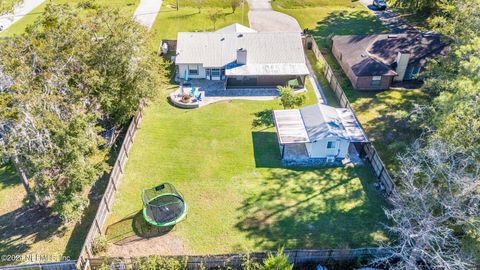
x=217 y=89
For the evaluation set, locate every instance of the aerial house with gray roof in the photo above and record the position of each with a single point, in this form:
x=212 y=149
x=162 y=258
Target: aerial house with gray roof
x=241 y=57
x=318 y=133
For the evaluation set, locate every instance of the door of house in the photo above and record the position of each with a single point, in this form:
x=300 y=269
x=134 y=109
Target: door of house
x=215 y=74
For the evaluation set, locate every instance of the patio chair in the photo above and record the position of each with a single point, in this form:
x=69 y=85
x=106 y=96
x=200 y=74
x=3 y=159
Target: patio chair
x=199 y=97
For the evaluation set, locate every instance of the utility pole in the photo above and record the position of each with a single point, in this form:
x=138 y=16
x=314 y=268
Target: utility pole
x=177 y=4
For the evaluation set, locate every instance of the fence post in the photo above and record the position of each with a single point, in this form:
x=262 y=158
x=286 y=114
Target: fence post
x=97 y=225
x=113 y=183
x=119 y=163
x=106 y=203
x=125 y=150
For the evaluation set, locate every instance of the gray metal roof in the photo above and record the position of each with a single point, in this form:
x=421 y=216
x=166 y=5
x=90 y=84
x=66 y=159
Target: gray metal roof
x=323 y=121
x=218 y=49
x=317 y=122
x=235 y=28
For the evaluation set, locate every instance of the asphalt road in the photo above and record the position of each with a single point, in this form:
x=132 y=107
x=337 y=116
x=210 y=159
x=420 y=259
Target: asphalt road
x=390 y=18
x=21 y=10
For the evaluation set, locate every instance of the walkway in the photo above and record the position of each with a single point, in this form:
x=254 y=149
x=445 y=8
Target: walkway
x=147 y=12
x=264 y=19
x=21 y=10
x=392 y=20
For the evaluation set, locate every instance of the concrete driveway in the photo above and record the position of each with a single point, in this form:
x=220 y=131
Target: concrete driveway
x=263 y=19
x=390 y=19
x=147 y=12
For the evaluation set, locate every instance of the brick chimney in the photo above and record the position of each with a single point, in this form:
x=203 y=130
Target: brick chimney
x=402 y=63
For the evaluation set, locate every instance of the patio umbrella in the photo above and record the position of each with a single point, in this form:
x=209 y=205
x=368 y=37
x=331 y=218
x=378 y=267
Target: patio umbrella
x=192 y=93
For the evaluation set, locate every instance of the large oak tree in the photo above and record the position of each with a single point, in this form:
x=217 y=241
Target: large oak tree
x=74 y=73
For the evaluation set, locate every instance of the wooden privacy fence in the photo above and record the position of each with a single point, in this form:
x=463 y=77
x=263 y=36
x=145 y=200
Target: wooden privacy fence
x=106 y=203
x=367 y=150
x=335 y=258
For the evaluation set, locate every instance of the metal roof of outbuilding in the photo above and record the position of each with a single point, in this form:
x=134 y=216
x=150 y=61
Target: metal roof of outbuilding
x=317 y=122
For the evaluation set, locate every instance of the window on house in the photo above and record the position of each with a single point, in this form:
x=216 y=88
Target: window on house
x=376 y=80
x=331 y=145
x=193 y=69
x=216 y=72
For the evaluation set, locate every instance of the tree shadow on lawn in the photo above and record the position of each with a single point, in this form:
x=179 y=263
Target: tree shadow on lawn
x=21 y=228
x=314 y=208
x=8 y=176
x=346 y=23
x=263 y=119
x=26 y=225
x=134 y=228
x=266 y=150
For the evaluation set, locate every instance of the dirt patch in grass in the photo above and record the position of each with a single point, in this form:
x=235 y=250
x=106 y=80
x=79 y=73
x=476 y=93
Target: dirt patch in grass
x=132 y=246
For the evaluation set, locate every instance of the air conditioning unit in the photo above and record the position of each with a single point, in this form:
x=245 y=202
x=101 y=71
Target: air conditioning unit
x=330 y=159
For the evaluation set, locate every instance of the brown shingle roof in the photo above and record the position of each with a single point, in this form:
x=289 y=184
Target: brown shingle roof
x=372 y=55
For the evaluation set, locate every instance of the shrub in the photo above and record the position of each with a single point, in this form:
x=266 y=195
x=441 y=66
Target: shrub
x=289 y=99
x=278 y=261
x=250 y=264
x=100 y=244
x=157 y=262
x=70 y=207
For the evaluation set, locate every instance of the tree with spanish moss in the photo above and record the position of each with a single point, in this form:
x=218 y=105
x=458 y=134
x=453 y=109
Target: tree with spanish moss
x=70 y=78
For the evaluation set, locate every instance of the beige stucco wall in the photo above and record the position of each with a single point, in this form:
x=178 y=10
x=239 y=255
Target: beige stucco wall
x=319 y=149
x=201 y=72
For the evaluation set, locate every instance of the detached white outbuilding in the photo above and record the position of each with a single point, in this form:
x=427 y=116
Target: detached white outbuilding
x=317 y=132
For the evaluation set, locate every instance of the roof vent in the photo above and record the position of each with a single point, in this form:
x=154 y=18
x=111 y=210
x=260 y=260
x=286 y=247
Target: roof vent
x=222 y=39
x=240 y=35
x=363 y=55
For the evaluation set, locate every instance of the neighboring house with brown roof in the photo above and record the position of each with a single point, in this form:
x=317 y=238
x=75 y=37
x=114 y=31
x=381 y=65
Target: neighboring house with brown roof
x=241 y=57
x=373 y=62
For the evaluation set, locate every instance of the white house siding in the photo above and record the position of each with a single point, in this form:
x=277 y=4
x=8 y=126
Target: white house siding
x=201 y=71
x=319 y=149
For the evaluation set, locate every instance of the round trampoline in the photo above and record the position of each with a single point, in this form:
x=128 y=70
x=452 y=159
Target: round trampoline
x=163 y=205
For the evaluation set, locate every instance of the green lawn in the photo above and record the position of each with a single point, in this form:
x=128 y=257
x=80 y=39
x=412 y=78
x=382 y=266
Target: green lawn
x=240 y=197
x=189 y=18
x=324 y=18
x=126 y=6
